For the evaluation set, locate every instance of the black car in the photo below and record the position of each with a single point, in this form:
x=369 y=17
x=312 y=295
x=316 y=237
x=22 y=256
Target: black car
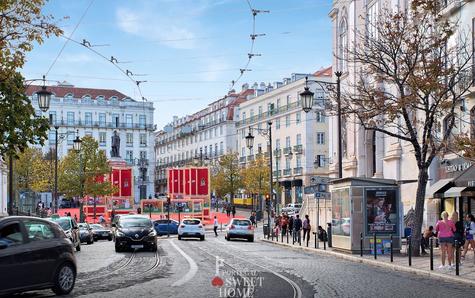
x=35 y=254
x=70 y=228
x=101 y=232
x=85 y=233
x=134 y=232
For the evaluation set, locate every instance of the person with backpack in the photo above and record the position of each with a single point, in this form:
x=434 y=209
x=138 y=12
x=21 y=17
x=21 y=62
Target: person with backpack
x=306 y=229
x=297 y=228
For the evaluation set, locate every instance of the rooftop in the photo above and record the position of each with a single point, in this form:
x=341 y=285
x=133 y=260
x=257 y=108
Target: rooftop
x=63 y=89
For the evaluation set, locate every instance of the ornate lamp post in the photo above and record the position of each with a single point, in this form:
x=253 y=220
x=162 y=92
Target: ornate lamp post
x=77 y=146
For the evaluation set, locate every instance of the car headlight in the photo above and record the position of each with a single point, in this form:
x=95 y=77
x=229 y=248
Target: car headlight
x=153 y=233
x=120 y=234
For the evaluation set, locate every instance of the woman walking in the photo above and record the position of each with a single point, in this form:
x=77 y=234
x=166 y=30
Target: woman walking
x=445 y=231
x=469 y=235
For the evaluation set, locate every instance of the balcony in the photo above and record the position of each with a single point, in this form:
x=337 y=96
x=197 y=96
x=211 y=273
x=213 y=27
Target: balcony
x=298 y=171
x=298 y=149
x=277 y=174
x=102 y=124
x=140 y=179
x=287 y=172
x=287 y=150
x=242 y=159
x=277 y=153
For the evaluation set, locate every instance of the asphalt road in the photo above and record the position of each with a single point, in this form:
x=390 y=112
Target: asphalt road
x=189 y=269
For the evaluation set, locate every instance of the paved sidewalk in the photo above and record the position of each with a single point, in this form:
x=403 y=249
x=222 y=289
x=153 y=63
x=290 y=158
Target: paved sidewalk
x=420 y=265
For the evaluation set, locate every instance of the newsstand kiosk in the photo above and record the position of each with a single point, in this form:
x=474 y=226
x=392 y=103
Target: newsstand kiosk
x=367 y=207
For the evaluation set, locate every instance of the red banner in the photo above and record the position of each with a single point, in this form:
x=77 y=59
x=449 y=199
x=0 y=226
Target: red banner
x=188 y=181
x=126 y=185
x=116 y=180
x=193 y=184
x=203 y=186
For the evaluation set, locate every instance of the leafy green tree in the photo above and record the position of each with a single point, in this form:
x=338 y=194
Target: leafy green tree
x=33 y=171
x=227 y=179
x=79 y=172
x=21 y=25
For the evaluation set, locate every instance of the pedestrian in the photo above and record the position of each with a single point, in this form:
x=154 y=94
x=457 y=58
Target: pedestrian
x=102 y=220
x=428 y=233
x=445 y=231
x=469 y=235
x=306 y=228
x=459 y=234
x=297 y=228
x=215 y=226
x=283 y=224
x=233 y=210
x=228 y=210
x=322 y=234
x=75 y=217
x=291 y=224
x=68 y=214
x=252 y=218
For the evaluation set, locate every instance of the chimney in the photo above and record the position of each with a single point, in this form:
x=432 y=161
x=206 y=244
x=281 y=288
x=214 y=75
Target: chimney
x=286 y=81
x=259 y=92
x=269 y=88
x=277 y=85
x=255 y=86
x=245 y=86
x=262 y=85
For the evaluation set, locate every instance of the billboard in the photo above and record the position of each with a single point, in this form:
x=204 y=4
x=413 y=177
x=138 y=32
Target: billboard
x=381 y=211
x=189 y=181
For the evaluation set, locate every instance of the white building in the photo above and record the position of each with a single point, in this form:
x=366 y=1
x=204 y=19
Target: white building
x=299 y=139
x=3 y=188
x=99 y=113
x=206 y=134
x=372 y=154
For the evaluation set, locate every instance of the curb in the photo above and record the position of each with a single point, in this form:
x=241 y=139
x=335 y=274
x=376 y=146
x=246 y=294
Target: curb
x=394 y=267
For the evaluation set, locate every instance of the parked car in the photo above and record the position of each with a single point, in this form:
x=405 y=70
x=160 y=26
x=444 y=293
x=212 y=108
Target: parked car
x=240 y=228
x=70 y=228
x=292 y=208
x=191 y=228
x=85 y=233
x=134 y=232
x=99 y=232
x=35 y=254
x=166 y=226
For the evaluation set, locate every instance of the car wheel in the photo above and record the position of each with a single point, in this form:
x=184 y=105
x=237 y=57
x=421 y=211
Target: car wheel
x=179 y=237
x=202 y=238
x=227 y=238
x=110 y=238
x=251 y=239
x=78 y=247
x=117 y=248
x=90 y=241
x=64 y=279
x=153 y=248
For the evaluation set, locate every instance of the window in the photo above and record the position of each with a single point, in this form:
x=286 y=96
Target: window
x=343 y=44
x=52 y=117
x=143 y=139
x=102 y=139
x=277 y=144
x=298 y=162
x=320 y=138
x=37 y=230
x=71 y=136
x=128 y=120
x=243 y=117
x=142 y=121
x=287 y=142
x=220 y=130
x=259 y=148
x=129 y=139
x=298 y=117
x=88 y=118
x=277 y=123
x=102 y=119
x=129 y=155
x=278 y=104
x=320 y=117
x=143 y=154
x=260 y=112
x=287 y=163
x=299 y=139
x=11 y=234
x=115 y=120
x=70 y=118
x=52 y=137
x=288 y=101
x=287 y=121
x=243 y=151
x=320 y=161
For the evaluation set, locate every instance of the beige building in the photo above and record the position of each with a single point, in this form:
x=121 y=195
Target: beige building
x=299 y=139
x=372 y=154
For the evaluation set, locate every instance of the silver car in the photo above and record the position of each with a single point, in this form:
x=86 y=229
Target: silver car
x=240 y=228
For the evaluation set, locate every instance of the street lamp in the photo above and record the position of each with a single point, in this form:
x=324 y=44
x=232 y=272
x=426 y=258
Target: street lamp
x=168 y=218
x=77 y=144
x=250 y=143
x=306 y=99
x=199 y=159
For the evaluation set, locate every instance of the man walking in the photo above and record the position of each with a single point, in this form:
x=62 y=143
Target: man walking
x=297 y=228
x=215 y=226
x=306 y=229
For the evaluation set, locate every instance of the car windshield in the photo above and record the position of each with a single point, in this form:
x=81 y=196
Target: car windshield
x=97 y=227
x=238 y=222
x=135 y=222
x=191 y=222
x=82 y=226
x=65 y=223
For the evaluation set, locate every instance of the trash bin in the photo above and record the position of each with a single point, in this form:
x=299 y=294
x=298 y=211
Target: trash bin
x=265 y=228
x=329 y=233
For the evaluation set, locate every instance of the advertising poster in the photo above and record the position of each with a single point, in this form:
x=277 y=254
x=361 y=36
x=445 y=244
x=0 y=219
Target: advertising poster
x=341 y=213
x=381 y=211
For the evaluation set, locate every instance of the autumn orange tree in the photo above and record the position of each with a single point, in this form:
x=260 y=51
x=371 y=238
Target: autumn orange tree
x=256 y=176
x=412 y=74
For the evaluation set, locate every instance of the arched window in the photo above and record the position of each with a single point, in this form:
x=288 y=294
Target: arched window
x=472 y=123
x=343 y=44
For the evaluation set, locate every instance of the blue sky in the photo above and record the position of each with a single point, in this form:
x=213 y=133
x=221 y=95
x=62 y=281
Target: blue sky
x=189 y=51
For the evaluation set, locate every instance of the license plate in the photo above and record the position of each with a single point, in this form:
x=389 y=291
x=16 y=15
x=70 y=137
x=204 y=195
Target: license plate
x=105 y=234
x=136 y=246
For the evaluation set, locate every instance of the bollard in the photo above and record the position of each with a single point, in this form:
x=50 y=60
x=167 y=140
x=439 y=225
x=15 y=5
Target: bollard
x=221 y=227
x=361 y=244
x=324 y=245
x=308 y=237
x=409 y=239
x=329 y=233
x=293 y=237
x=282 y=236
x=431 y=252
x=391 y=242
x=315 y=234
x=457 y=257
x=287 y=236
x=272 y=234
x=374 y=246
x=300 y=238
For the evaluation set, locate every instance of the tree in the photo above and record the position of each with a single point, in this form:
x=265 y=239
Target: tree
x=19 y=127
x=21 y=25
x=227 y=179
x=33 y=171
x=411 y=76
x=80 y=171
x=256 y=176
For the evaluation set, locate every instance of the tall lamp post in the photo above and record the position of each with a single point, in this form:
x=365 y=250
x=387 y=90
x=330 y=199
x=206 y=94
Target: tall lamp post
x=77 y=144
x=44 y=99
x=168 y=216
x=306 y=98
x=249 y=144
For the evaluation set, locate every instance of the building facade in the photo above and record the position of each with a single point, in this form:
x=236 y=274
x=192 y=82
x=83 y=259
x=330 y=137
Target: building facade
x=3 y=188
x=100 y=113
x=373 y=154
x=201 y=137
x=299 y=139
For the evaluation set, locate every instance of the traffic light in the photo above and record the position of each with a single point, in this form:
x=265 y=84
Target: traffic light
x=267 y=199
x=168 y=200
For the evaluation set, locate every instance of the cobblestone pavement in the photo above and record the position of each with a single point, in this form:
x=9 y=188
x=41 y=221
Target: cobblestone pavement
x=188 y=269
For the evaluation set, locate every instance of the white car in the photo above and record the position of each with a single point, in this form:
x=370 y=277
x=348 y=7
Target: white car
x=191 y=228
x=292 y=208
x=240 y=228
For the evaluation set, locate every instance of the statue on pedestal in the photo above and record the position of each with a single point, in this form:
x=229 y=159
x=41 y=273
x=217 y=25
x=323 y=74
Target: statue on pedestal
x=115 y=145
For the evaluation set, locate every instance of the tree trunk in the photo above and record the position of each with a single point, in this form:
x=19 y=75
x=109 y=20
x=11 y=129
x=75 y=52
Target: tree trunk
x=419 y=210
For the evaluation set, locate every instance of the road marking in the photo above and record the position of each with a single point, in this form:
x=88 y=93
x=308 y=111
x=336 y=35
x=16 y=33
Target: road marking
x=193 y=267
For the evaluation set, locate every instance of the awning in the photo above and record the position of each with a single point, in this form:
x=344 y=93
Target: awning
x=454 y=192
x=438 y=188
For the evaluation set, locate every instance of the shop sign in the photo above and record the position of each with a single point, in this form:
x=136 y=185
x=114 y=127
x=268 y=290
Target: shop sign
x=458 y=167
